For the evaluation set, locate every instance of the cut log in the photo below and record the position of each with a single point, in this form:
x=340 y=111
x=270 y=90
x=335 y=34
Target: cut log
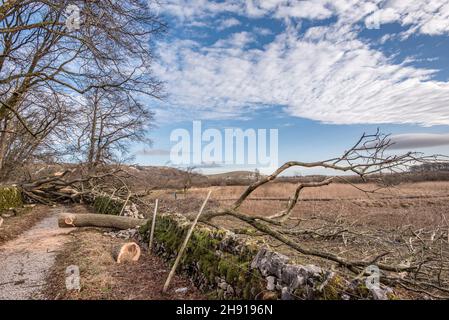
x=127 y=252
x=70 y=220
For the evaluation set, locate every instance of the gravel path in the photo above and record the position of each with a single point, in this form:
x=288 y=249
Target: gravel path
x=25 y=261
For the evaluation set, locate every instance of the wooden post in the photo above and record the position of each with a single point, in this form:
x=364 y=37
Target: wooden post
x=150 y=245
x=184 y=245
x=124 y=205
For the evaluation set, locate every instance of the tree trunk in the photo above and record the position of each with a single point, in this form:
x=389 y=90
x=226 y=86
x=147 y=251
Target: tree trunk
x=3 y=141
x=127 y=252
x=92 y=142
x=69 y=220
x=99 y=148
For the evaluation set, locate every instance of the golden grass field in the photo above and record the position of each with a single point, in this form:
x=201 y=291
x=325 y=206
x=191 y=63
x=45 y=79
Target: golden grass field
x=420 y=204
x=338 y=190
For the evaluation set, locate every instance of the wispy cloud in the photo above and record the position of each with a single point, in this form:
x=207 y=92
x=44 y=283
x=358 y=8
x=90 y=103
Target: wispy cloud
x=209 y=165
x=153 y=152
x=412 y=141
x=228 y=23
x=262 y=31
x=237 y=40
x=327 y=74
x=427 y=17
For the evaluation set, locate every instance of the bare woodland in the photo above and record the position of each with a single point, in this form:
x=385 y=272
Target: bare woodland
x=76 y=96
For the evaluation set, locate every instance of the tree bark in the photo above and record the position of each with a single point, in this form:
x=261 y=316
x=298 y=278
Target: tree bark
x=93 y=132
x=3 y=141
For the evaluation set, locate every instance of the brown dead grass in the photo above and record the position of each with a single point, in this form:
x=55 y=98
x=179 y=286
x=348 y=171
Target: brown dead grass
x=24 y=219
x=337 y=191
x=418 y=205
x=102 y=278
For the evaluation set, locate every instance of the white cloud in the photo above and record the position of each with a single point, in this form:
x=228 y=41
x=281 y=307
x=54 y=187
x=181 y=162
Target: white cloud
x=153 y=152
x=263 y=31
x=198 y=9
x=419 y=16
x=413 y=141
x=305 y=9
x=228 y=23
x=237 y=40
x=328 y=75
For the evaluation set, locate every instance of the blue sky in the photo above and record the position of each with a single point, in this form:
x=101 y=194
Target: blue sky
x=321 y=72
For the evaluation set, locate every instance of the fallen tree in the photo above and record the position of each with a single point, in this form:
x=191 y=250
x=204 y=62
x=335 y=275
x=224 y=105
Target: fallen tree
x=418 y=261
x=70 y=220
x=68 y=186
x=106 y=188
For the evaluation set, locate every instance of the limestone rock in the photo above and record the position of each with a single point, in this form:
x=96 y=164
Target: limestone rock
x=181 y=290
x=381 y=293
x=223 y=285
x=292 y=277
x=286 y=294
x=271 y=283
x=269 y=263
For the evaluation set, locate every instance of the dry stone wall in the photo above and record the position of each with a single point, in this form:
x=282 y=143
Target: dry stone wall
x=229 y=267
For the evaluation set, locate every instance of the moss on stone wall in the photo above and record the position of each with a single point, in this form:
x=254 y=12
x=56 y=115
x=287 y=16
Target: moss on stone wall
x=211 y=259
x=106 y=205
x=10 y=197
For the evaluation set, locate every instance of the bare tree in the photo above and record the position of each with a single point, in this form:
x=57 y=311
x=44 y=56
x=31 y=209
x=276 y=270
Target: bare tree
x=110 y=50
x=187 y=176
x=107 y=124
x=47 y=120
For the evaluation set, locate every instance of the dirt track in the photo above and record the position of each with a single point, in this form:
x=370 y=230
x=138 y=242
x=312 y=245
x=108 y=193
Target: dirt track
x=33 y=265
x=25 y=261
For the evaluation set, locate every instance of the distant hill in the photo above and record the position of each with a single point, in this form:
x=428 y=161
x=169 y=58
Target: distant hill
x=232 y=174
x=162 y=177
x=233 y=178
